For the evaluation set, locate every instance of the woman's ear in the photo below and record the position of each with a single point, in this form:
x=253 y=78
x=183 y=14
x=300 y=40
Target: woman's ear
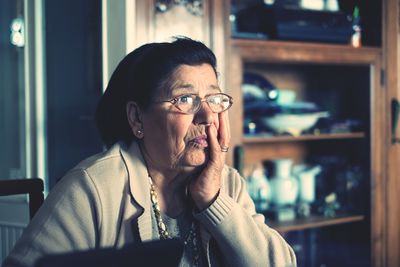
x=133 y=113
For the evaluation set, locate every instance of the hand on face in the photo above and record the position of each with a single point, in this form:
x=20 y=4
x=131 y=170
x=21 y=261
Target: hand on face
x=205 y=188
x=173 y=142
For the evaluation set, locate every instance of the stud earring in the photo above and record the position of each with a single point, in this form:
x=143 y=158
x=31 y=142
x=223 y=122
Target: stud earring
x=139 y=133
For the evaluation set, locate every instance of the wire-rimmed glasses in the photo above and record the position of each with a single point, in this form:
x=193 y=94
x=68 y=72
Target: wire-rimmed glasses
x=191 y=103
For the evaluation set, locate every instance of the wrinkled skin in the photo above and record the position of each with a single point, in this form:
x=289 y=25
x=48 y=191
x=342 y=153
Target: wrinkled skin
x=182 y=149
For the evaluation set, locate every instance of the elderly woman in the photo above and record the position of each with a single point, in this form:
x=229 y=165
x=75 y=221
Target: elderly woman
x=164 y=120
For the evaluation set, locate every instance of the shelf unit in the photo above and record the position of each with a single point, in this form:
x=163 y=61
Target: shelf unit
x=262 y=138
x=313 y=222
x=292 y=64
x=297 y=52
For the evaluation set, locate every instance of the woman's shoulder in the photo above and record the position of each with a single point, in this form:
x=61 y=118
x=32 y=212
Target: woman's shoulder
x=106 y=157
x=102 y=167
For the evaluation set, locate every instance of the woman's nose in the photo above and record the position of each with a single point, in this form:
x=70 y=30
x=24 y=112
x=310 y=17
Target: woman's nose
x=204 y=115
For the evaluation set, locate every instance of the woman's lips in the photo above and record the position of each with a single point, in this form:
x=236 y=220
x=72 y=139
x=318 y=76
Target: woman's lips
x=200 y=141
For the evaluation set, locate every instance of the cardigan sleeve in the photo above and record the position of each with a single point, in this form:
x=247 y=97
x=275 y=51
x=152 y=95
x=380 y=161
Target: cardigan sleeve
x=239 y=232
x=68 y=220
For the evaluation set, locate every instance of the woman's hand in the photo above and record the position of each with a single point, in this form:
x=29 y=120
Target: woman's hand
x=204 y=189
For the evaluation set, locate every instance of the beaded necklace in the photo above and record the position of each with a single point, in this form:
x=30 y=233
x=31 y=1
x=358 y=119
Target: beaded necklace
x=191 y=238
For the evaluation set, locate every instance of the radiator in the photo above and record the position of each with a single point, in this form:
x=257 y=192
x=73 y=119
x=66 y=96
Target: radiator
x=9 y=234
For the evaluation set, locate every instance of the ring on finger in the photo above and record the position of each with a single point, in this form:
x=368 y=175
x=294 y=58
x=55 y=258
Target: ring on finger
x=224 y=148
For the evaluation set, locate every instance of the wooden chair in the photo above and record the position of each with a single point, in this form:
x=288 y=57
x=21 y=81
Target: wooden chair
x=33 y=187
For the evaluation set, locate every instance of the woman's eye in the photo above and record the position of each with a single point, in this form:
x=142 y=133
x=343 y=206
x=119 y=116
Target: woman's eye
x=216 y=100
x=185 y=99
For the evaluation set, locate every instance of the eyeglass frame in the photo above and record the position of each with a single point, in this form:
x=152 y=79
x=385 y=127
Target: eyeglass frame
x=174 y=100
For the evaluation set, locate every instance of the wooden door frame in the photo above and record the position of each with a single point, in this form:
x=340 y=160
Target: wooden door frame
x=391 y=56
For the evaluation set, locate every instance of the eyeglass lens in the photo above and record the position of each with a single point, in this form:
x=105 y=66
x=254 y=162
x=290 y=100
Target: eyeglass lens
x=192 y=103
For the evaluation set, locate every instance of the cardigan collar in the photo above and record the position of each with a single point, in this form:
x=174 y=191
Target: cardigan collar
x=137 y=172
x=139 y=187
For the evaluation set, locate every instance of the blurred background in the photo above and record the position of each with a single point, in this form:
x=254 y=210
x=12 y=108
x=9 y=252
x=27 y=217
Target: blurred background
x=314 y=126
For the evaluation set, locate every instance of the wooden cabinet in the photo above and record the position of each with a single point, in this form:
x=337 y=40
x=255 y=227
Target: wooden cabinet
x=346 y=82
x=349 y=83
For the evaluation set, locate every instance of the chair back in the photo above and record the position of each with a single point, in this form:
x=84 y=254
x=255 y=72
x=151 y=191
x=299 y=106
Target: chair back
x=33 y=187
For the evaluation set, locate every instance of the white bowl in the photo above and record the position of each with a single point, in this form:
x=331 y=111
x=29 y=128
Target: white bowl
x=293 y=124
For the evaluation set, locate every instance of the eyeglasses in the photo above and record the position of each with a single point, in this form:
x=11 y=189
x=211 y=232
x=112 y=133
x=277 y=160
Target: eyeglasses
x=191 y=103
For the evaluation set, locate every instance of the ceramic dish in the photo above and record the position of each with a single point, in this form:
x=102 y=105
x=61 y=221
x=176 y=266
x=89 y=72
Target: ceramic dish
x=293 y=124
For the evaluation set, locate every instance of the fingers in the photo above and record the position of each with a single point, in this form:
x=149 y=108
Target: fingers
x=214 y=145
x=224 y=131
x=205 y=188
x=219 y=139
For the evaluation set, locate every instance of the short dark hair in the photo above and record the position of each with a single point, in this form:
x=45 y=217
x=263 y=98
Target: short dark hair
x=139 y=76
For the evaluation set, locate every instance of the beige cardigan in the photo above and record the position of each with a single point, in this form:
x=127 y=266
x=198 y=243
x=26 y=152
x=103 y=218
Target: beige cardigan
x=105 y=202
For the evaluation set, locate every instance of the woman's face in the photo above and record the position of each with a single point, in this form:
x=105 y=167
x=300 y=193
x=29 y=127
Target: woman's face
x=173 y=140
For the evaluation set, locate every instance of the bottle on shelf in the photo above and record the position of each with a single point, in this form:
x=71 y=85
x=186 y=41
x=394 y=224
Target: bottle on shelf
x=284 y=186
x=307 y=186
x=259 y=188
x=284 y=191
x=356 y=36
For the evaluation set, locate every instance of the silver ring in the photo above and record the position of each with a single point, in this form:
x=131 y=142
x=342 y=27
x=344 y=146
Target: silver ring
x=224 y=148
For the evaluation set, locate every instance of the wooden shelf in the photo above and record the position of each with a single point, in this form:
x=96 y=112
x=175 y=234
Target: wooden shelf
x=254 y=139
x=313 y=222
x=300 y=52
